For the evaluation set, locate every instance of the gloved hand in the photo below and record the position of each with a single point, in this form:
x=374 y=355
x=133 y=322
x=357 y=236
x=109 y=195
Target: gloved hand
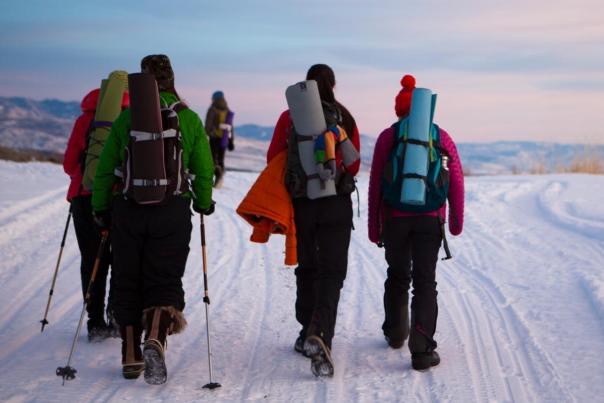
x=231 y=145
x=206 y=211
x=102 y=220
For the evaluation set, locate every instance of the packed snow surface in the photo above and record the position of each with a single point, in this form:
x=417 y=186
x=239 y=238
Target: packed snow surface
x=521 y=305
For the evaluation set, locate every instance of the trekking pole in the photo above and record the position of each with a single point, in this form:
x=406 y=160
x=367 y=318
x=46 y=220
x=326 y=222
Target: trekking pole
x=54 y=277
x=68 y=372
x=206 y=300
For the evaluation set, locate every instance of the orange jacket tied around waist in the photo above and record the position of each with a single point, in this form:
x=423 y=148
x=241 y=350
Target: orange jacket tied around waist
x=268 y=207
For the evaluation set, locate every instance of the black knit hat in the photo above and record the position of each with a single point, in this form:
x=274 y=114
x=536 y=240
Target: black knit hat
x=160 y=67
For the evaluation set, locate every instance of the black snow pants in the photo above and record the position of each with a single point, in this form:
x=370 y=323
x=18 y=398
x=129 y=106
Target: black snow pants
x=218 y=156
x=323 y=229
x=89 y=240
x=412 y=245
x=150 y=248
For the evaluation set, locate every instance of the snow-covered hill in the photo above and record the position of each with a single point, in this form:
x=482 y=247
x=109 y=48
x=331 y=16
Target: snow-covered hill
x=521 y=305
x=39 y=125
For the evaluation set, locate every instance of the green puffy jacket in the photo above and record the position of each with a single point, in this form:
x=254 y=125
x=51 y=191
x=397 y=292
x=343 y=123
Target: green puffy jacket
x=196 y=157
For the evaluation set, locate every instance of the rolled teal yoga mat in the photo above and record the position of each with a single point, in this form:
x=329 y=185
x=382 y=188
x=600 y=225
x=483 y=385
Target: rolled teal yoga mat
x=416 y=155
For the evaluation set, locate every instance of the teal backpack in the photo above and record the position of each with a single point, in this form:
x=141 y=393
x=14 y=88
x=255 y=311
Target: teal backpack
x=437 y=179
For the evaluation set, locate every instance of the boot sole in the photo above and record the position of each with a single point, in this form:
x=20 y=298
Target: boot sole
x=321 y=363
x=155 y=365
x=133 y=371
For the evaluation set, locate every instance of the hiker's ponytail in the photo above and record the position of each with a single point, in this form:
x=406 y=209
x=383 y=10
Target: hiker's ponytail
x=326 y=81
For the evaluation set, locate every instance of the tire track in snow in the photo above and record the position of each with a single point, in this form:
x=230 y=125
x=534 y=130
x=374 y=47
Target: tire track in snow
x=8 y=213
x=451 y=306
x=23 y=225
x=511 y=329
x=559 y=215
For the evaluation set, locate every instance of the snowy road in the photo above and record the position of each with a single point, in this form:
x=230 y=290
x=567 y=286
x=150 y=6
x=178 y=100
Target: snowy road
x=521 y=305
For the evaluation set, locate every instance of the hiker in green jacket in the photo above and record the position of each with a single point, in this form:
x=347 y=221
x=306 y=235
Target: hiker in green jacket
x=151 y=241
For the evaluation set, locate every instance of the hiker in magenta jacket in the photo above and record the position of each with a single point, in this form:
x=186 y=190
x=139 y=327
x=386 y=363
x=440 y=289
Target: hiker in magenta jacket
x=412 y=237
x=86 y=232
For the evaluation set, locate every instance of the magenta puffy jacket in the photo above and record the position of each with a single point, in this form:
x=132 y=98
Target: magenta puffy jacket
x=378 y=211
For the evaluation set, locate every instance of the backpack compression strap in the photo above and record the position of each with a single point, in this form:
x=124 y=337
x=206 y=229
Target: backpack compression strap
x=148 y=136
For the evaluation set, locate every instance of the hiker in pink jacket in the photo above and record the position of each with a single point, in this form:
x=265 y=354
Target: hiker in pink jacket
x=412 y=237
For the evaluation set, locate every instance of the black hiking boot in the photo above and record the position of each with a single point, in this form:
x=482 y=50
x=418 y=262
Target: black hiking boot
x=132 y=356
x=97 y=330
x=394 y=341
x=320 y=355
x=423 y=361
x=299 y=346
x=159 y=323
x=396 y=337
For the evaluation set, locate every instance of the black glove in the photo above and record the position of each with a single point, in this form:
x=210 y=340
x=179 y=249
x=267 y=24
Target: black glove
x=206 y=211
x=102 y=220
x=231 y=145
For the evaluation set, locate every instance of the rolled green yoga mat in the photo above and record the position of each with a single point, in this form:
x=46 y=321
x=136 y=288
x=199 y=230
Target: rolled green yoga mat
x=108 y=109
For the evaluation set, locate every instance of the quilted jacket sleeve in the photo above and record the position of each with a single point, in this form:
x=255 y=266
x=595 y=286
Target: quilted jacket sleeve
x=456 y=185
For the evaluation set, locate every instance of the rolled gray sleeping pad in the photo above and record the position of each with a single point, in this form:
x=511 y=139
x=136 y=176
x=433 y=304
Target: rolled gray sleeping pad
x=145 y=180
x=306 y=113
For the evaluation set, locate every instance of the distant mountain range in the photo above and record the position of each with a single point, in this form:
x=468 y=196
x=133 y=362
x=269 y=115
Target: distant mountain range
x=45 y=126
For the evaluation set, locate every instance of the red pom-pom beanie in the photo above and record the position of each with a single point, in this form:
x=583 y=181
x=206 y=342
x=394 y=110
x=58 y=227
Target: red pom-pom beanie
x=402 y=102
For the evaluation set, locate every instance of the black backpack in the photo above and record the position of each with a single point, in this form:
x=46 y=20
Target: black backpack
x=153 y=169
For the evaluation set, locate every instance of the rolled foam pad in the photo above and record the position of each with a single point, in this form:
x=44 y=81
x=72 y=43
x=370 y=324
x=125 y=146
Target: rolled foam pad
x=416 y=156
x=108 y=109
x=145 y=110
x=305 y=108
x=145 y=116
x=306 y=112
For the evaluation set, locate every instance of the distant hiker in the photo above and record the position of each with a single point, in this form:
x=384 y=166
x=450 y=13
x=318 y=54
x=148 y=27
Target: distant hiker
x=149 y=213
x=412 y=232
x=86 y=232
x=323 y=228
x=220 y=129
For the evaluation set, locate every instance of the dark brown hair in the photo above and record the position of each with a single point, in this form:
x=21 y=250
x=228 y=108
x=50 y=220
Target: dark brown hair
x=326 y=81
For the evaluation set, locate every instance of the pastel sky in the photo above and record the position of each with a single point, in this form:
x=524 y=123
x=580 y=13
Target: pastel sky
x=503 y=69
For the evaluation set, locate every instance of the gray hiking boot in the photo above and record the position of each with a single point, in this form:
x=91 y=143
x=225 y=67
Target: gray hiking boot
x=321 y=363
x=299 y=346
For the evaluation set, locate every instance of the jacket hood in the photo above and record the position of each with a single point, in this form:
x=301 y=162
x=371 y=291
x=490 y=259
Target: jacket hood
x=91 y=99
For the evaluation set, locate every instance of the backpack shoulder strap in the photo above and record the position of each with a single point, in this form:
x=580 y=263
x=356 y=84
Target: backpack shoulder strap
x=400 y=133
x=436 y=139
x=178 y=106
